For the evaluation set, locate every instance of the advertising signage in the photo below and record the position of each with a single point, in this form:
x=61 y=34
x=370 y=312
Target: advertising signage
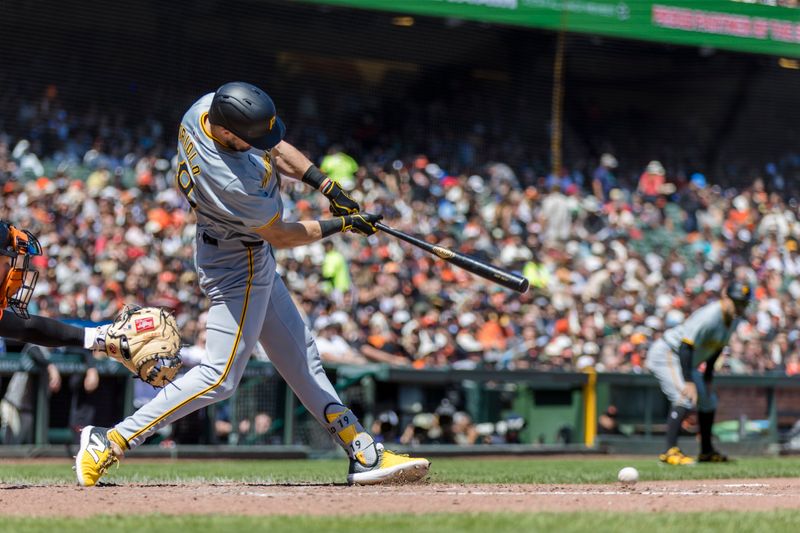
x=733 y=25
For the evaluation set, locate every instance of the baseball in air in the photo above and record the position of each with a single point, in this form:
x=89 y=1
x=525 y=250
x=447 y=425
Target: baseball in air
x=628 y=475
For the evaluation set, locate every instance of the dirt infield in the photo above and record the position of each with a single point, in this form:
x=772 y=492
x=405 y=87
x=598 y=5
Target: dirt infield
x=262 y=499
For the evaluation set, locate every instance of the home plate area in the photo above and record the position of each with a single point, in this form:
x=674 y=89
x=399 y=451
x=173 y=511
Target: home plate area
x=323 y=499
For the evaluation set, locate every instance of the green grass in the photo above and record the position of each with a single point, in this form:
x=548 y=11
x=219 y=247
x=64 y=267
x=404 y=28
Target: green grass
x=774 y=522
x=473 y=470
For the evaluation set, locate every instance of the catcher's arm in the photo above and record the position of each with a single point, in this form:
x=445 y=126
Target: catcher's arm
x=40 y=330
x=146 y=341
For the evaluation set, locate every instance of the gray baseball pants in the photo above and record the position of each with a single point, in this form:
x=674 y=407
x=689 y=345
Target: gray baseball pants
x=666 y=367
x=249 y=302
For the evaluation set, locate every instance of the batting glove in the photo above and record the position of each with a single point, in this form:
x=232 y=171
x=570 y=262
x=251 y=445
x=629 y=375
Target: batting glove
x=341 y=203
x=362 y=223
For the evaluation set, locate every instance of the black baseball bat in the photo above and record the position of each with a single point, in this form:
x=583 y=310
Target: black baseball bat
x=477 y=267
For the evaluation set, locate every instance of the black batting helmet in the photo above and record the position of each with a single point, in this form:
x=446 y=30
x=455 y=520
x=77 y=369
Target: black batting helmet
x=247 y=112
x=739 y=292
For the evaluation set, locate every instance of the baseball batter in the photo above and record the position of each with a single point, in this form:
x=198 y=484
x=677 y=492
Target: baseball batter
x=674 y=360
x=231 y=149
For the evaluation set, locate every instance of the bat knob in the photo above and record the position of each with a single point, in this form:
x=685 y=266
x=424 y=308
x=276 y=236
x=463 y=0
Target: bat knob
x=523 y=286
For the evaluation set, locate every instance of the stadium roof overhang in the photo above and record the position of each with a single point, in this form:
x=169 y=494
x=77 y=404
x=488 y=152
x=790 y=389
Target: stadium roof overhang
x=725 y=24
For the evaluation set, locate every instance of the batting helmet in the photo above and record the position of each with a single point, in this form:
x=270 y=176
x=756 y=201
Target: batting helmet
x=247 y=112
x=739 y=292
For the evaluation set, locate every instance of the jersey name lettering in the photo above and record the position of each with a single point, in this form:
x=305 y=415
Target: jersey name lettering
x=189 y=149
x=186 y=170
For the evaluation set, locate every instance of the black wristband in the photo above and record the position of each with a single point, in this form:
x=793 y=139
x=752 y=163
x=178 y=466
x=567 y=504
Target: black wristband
x=314 y=177
x=330 y=226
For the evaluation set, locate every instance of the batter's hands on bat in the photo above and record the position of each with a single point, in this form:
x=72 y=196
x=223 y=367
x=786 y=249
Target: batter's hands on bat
x=341 y=203
x=363 y=223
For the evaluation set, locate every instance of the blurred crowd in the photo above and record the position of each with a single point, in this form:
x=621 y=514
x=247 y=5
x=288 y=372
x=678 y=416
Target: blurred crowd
x=613 y=258
x=447 y=425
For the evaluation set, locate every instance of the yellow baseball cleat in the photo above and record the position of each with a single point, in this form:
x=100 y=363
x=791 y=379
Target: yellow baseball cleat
x=675 y=457
x=94 y=456
x=389 y=467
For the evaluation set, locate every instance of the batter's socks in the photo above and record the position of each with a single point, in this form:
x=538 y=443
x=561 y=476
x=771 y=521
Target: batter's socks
x=345 y=428
x=674 y=421
x=706 y=421
x=114 y=436
x=342 y=424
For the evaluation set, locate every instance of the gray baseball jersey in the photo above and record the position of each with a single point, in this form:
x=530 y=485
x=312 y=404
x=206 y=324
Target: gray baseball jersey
x=705 y=329
x=233 y=194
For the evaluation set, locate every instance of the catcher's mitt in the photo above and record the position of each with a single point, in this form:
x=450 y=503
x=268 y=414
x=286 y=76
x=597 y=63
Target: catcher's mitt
x=147 y=342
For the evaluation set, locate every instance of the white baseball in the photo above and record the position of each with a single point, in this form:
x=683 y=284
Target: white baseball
x=628 y=475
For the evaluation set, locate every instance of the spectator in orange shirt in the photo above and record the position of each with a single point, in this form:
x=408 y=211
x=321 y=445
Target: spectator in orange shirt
x=740 y=216
x=491 y=334
x=651 y=181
